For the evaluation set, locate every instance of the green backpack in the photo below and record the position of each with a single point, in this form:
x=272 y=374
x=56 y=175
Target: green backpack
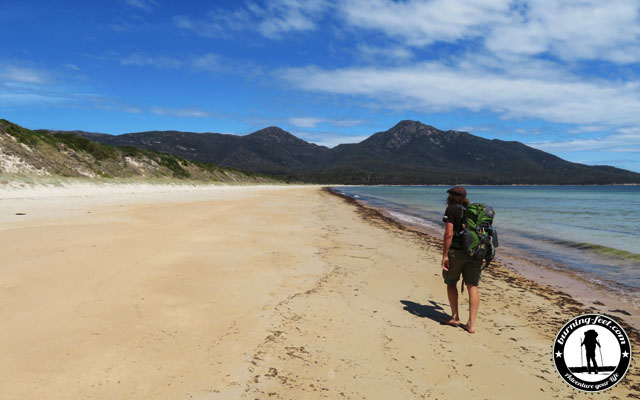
x=478 y=236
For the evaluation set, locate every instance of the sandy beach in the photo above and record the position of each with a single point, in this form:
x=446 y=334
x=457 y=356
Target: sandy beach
x=255 y=292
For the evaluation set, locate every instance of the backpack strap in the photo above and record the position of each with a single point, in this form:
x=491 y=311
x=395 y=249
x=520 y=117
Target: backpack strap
x=463 y=220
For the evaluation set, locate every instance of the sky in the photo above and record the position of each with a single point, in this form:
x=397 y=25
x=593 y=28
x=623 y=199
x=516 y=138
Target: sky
x=560 y=76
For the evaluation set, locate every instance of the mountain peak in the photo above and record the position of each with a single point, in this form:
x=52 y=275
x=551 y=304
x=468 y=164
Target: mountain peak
x=412 y=128
x=406 y=132
x=275 y=134
x=407 y=123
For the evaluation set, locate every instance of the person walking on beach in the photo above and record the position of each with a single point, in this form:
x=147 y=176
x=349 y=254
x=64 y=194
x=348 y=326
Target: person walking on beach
x=589 y=342
x=456 y=262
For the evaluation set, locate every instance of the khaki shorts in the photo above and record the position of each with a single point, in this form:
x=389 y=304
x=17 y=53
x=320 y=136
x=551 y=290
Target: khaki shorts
x=461 y=263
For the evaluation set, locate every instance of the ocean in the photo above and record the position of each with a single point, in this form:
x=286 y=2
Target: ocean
x=590 y=232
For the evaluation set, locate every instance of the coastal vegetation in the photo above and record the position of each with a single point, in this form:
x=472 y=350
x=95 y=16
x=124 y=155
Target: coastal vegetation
x=67 y=154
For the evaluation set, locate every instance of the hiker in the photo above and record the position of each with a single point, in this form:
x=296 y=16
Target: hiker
x=456 y=261
x=589 y=342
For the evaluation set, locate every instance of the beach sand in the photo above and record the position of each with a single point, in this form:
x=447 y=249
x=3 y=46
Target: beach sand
x=255 y=292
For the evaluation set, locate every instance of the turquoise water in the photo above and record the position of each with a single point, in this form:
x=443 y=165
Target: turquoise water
x=594 y=231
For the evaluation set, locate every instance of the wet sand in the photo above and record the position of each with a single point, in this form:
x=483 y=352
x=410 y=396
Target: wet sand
x=256 y=293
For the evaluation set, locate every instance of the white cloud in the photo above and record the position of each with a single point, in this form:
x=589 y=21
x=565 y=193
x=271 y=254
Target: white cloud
x=181 y=112
x=420 y=23
x=576 y=30
x=312 y=122
x=569 y=30
x=330 y=139
x=471 y=129
x=625 y=142
x=438 y=87
x=588 y=129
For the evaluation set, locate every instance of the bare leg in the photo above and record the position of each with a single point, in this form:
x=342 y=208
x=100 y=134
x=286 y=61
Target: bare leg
x=452 y=292
x=474 y=302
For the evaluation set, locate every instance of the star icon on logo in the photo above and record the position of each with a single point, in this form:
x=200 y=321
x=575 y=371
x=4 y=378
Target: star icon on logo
x=558 y=354
x=625 y=354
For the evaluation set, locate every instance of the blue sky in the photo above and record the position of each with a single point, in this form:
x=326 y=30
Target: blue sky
x=561 y=76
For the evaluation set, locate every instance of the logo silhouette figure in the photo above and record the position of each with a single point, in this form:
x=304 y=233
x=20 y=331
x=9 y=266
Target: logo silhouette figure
x=590 y=342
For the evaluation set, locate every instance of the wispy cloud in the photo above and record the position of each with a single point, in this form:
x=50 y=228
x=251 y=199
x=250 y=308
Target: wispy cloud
x=22 y=85
x=17 y=73
x=128 y=23
x=109 y=103
x=281 y=16
x=312 y=122
x=421 y=23
x=181 y=112
x=13 y=98
x=273 y=19
x=207 y=62
x=143 y=59
x=393 y=53
x=623 y=142
x=146 y=5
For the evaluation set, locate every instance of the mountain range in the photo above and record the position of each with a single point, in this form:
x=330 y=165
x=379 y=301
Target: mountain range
x=408 y=153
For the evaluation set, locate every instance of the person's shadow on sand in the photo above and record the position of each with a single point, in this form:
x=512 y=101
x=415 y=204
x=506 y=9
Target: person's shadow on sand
x=434 y=311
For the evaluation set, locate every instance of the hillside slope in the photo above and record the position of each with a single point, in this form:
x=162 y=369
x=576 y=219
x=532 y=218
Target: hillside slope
x=270 y=150
x=23 y=151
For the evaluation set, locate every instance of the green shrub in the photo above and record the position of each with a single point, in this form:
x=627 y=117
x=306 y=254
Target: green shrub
x=98 y=150
x=130 y=151
x=26 y=136
x=173 y=164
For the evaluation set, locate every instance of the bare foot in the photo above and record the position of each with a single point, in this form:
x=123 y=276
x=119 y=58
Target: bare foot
x=452 y=322
x=468 y=328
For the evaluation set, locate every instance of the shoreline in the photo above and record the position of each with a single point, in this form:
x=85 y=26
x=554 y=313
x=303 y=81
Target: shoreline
x=276 y=292
x=567 y=284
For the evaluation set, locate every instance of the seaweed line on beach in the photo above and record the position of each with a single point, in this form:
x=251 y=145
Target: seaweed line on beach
x=564 y=306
